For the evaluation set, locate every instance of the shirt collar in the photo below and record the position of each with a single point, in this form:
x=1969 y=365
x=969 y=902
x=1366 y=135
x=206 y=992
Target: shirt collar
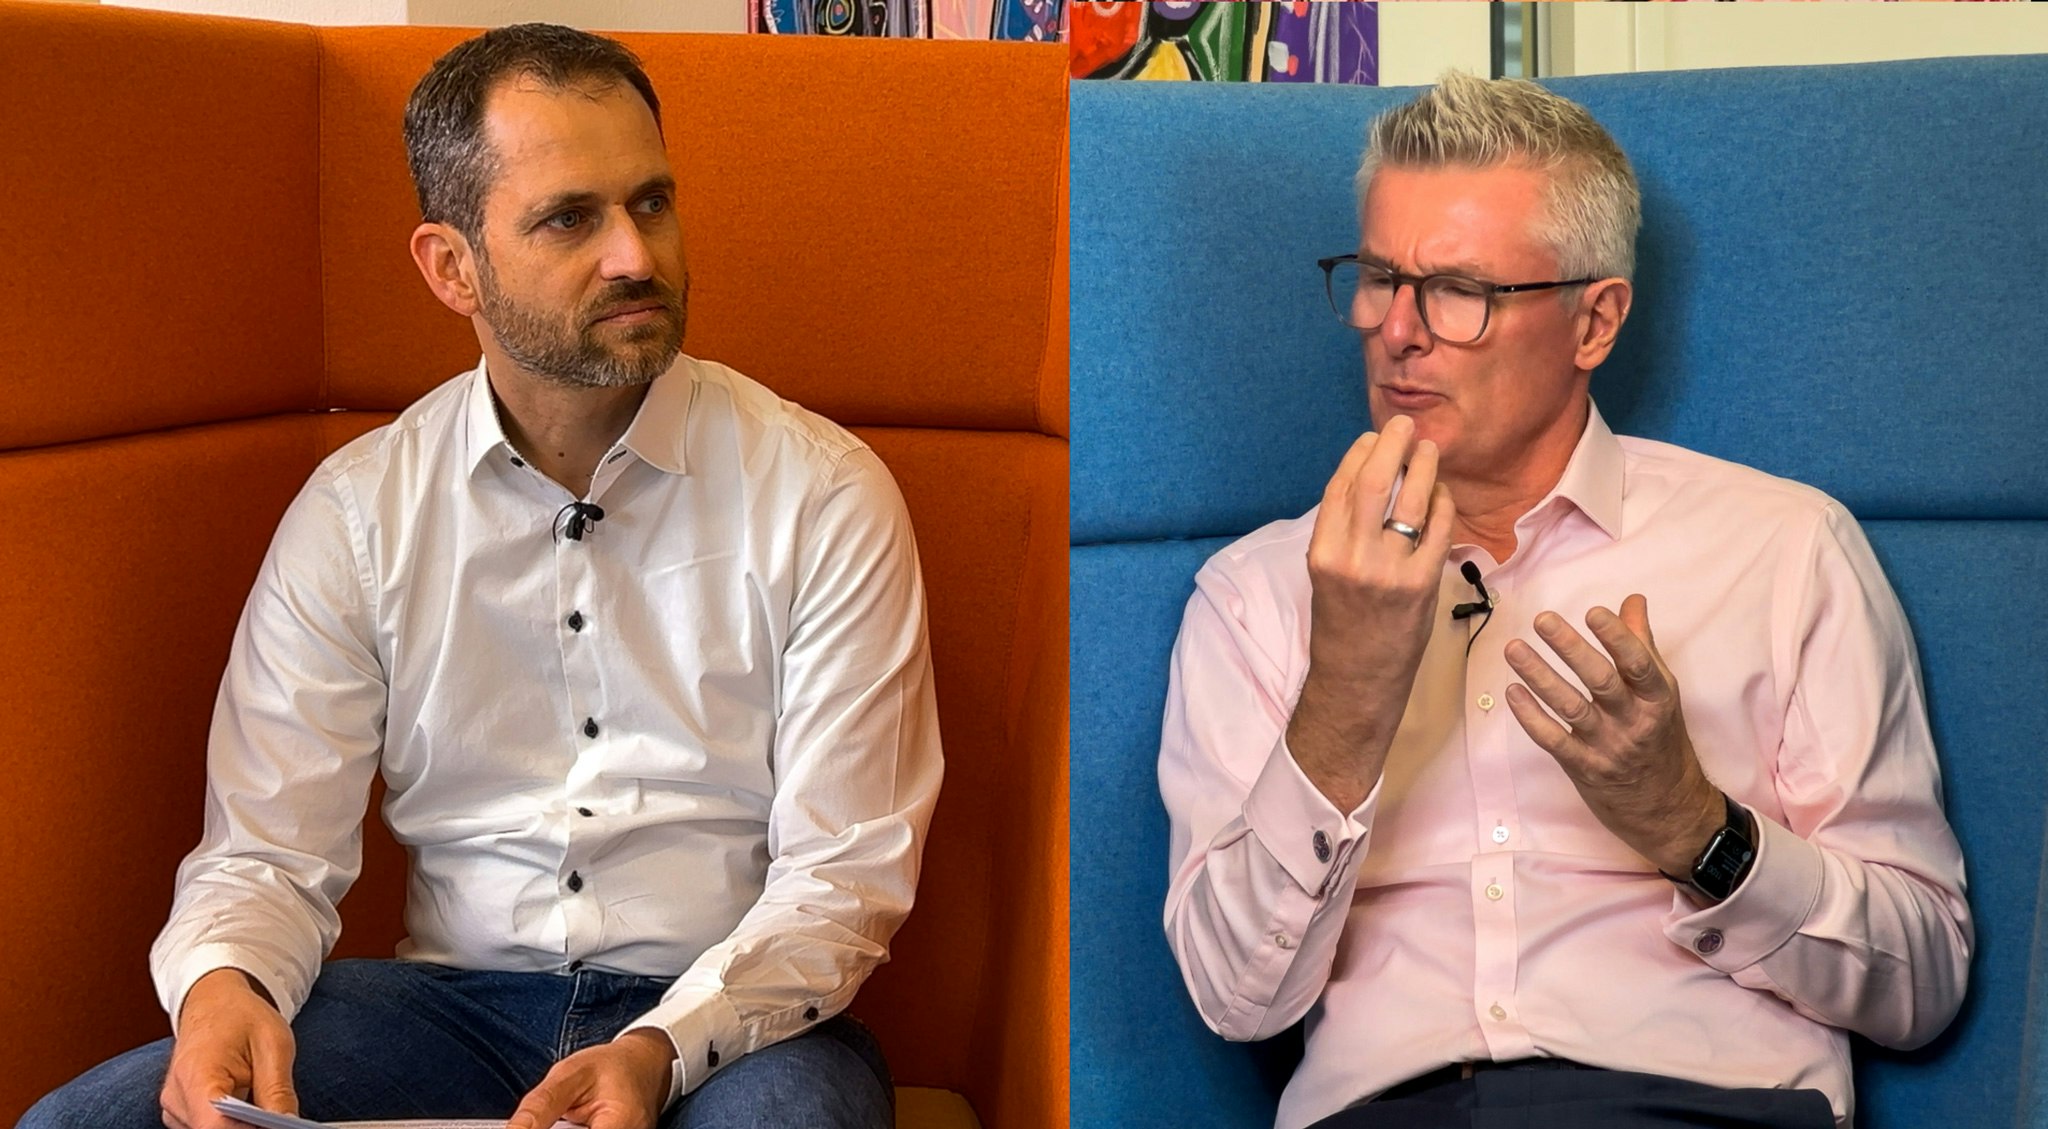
x=659 y=428
x=656 y=434
x=1593 y=479
x=484 y=432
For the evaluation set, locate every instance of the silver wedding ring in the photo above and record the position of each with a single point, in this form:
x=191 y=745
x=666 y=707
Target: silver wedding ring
x=1413 y=534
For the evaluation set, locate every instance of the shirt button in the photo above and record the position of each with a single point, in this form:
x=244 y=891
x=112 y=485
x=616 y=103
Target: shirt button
x=517 y=461
x=1500 y=833
x=1283 y=941
x=590 y=727
x=1497 y=1011
x=1709 y=943
x=1486 y=701
x=1322 y=845
x=575 y=621
x=575 y=882
x=1494 y=892
x=585 y=812
x=811 y=1013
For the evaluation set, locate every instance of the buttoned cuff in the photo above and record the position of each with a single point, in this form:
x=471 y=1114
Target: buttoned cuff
x=675 y=1062
x=705 y=1033
x=283 y=984
x=1305 y=833
x=1763 y=913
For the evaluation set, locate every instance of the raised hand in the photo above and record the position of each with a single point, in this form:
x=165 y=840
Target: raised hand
x=1372 y=605
x=1626 y=748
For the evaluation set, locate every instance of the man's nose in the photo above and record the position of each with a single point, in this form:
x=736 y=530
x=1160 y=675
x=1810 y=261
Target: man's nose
x=625 y=250
x=1403 y=330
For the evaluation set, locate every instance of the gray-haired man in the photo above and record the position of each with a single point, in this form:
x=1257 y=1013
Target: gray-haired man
x=1503 y=879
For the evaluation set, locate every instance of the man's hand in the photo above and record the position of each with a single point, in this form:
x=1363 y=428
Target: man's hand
x=1626 y=750
x=231 y=1041
x=619 y=1085
x=1372 y=605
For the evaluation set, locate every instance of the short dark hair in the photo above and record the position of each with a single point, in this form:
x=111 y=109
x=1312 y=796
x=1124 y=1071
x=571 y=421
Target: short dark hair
x=452 y=163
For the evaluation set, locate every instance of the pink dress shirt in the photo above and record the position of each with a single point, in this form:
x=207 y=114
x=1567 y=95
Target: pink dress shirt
x=1473 y=908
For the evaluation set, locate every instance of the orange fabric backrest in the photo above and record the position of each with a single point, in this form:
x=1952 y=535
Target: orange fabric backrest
x=869 y=225
x=207 y=290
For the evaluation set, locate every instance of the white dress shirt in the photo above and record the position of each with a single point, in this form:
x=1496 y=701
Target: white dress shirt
x=700 y=741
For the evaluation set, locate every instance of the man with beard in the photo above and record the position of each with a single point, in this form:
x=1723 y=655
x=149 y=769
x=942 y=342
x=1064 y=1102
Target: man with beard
x=640 y=651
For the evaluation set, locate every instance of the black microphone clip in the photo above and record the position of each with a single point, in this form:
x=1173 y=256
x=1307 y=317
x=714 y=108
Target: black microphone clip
x=582 y=515
x=1470 y=572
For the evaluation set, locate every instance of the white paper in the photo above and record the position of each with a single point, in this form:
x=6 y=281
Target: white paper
x=263 y=1119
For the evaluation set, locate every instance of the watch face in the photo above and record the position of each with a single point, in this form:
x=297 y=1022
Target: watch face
x=1723 y=864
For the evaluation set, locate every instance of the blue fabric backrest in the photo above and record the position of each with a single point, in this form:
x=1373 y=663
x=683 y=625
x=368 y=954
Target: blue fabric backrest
x=1839 y=282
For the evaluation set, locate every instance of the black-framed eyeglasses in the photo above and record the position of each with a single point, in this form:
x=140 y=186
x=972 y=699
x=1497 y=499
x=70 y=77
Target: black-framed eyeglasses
x=1454 y=308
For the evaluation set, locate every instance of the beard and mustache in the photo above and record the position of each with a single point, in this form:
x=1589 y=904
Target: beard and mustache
x=572 y=350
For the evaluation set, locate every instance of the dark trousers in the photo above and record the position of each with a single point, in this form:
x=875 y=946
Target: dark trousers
x=1584 y=1099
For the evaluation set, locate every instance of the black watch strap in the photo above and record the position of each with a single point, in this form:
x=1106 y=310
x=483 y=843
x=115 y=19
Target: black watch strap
x=1720 y=869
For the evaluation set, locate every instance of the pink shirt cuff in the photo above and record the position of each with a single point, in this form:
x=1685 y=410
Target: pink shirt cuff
x=1305 y=833
x=1762 y=914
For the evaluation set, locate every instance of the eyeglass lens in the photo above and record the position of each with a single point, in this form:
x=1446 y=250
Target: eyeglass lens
x=1453 y=308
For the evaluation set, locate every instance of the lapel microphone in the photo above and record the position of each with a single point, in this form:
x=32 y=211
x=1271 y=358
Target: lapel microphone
x=1485 y=602
x=581 y=516
x=1482 y=606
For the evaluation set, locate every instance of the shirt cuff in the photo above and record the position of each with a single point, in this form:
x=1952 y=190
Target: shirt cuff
x=284 y=987
x=705 y=1032
x=1763 y=913
x=675 y=1062
x=1305 y=833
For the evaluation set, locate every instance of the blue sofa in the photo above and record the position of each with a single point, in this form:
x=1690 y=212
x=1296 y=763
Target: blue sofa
x=1840 y=282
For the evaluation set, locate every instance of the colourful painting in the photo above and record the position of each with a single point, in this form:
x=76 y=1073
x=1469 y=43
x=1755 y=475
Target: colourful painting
x=1034 y=21
x=1226 y=41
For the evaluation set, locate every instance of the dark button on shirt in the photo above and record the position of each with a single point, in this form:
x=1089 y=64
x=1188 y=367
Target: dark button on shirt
x=1322 y=844
x=575 y=621
x=590 y=727
x=575 y=882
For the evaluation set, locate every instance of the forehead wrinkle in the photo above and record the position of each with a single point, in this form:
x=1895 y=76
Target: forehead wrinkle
x=1461 y=221
x=553 y=156
x=1425 y=266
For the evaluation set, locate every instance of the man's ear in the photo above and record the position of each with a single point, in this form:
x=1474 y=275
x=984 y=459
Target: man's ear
x=1606 y=306
x=448 y=264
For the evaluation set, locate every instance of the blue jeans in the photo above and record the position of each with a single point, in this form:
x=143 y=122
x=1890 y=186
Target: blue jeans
x=385 y=1039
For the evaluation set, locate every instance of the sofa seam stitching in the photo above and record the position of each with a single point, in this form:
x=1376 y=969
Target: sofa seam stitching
x=326 y=397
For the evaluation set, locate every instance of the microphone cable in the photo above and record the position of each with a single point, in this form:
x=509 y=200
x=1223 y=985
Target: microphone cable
x=573 y=519
x=1483 y=607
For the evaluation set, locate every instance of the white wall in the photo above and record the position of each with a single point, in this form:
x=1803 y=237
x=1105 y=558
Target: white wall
x=1420 y=41
x=329 y=12
x=591 y=15
x=595 y=15
x=1618 y=38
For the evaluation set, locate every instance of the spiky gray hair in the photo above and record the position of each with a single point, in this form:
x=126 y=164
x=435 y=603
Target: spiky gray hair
x=1595 y=207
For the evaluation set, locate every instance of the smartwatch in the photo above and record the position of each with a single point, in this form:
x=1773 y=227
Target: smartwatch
x=1721 y=868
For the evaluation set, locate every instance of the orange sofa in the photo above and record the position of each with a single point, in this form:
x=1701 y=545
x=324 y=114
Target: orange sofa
x=204 y=288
